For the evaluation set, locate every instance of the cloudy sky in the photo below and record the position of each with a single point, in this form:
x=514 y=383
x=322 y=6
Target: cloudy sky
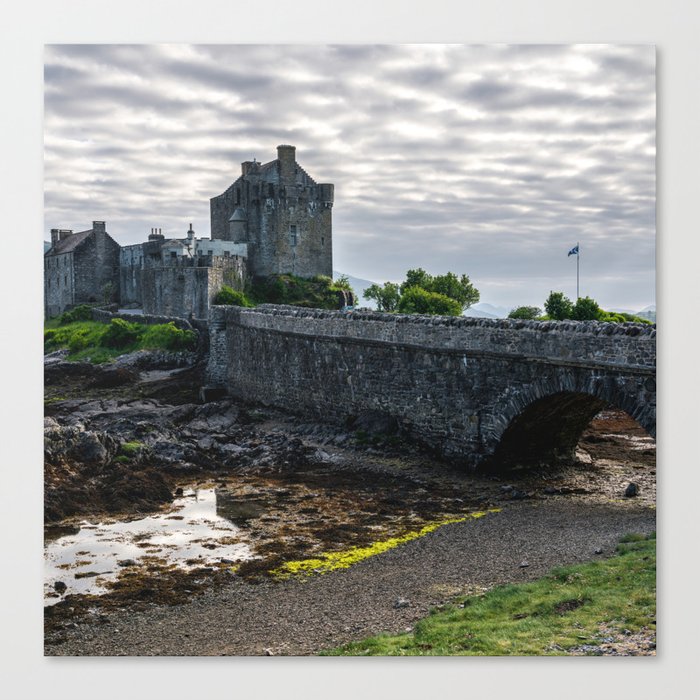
x=487 y=160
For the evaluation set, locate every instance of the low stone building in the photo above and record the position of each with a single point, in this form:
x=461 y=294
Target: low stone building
x=79 y=268
x=180 y=276
x=281 y=213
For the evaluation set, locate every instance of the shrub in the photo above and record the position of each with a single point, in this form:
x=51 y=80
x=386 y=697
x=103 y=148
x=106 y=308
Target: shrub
x=558 y=307
x=83 y=312
x=586 y=309
x=526 y=313
x=169 y=337
x=416 y=300
x=120 y=334
x=231 y=297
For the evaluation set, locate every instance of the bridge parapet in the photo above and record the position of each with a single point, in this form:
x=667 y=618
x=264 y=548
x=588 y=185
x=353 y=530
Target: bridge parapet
x=631 y=345
x=470 y=388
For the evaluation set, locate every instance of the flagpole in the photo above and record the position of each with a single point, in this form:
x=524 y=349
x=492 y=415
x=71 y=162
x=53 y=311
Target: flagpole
x=578 y=256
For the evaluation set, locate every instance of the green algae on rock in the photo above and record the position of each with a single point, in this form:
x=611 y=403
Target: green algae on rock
x=331 y=561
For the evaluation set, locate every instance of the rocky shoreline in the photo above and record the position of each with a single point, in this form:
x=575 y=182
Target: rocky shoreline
x=123 y=439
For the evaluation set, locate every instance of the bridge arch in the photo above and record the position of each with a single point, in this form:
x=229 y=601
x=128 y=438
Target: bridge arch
x=543 y=422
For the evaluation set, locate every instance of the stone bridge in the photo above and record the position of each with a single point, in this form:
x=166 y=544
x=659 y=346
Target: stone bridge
x=481 y=391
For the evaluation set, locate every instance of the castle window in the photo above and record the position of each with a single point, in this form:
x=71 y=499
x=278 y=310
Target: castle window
x=323 y=241
x=173 y=254
x=238 y=195
x=65 y=279
x=270 y=190
x=293 y=237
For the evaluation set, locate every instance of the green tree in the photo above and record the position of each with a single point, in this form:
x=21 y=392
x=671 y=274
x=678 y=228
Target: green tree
x=558 y=307
x=417 y=278
x=526 y=313
x=586 y=309
x=416 y=300
x=387 y=296
x=458 y=288
x=450 y=285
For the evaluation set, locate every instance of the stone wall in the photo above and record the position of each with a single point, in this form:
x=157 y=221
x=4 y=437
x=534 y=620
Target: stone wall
x=184 y=289
x=455 y=384
x=58 y=284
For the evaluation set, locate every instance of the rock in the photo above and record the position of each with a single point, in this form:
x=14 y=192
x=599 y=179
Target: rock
x=401 y=603
x=524 y=564
x=598 y=550
x=179 y=491
x=631 y=490
x=211 y=393
x=126 y=562
x=60 y=587
x=111 y=377
x=550 y=490
x=269 y=652
x=374 y=423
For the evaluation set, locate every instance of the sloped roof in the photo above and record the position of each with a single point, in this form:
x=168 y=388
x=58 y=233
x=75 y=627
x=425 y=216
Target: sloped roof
x=70 y=243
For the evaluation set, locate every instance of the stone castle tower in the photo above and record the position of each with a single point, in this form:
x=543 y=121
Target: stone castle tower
x=281 y=213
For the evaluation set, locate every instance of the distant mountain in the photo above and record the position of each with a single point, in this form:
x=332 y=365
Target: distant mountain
x=476 y=313
x=648 y=312
x=358 y=286
x=486 y=310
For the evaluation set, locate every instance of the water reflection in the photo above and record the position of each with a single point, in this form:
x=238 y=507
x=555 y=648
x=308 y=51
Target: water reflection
x=196 y=531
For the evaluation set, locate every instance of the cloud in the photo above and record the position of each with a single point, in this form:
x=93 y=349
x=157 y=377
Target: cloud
x=488 y=160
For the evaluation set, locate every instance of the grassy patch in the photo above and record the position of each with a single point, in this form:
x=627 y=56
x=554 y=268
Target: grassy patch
x=563 y=610
x=332 y=561
x=130 y=449
x=101 y=342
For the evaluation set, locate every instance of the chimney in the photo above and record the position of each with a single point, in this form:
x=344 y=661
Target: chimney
x=54 y=237
x=246 y=167
x=64 y=233
x=98 y=226
x=287 y=158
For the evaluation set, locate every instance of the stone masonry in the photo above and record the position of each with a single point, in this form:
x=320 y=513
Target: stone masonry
x=80 y=268
x=480 y=391
x=281 y=213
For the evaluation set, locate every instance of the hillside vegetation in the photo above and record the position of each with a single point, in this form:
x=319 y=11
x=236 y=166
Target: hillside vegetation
x=100 y=342
x=319 y=292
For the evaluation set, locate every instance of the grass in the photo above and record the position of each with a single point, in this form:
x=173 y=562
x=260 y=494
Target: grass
x=130 y=449
x=101 y=342
x=563 y=610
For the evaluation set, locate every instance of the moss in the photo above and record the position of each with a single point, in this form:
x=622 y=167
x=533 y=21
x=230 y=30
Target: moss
x=332 y=561
x=130 y=449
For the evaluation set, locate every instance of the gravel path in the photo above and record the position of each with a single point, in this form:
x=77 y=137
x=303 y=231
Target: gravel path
x=304 y=617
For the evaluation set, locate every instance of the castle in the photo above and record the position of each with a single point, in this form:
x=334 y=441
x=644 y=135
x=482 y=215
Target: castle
x=274 y=219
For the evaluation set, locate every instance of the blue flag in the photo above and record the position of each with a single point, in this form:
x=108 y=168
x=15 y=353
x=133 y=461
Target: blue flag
x=573 y=251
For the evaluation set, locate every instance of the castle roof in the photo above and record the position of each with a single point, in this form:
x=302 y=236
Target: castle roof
x=69 y=243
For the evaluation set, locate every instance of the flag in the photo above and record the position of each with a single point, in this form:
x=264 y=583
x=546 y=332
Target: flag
x=573 y=251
